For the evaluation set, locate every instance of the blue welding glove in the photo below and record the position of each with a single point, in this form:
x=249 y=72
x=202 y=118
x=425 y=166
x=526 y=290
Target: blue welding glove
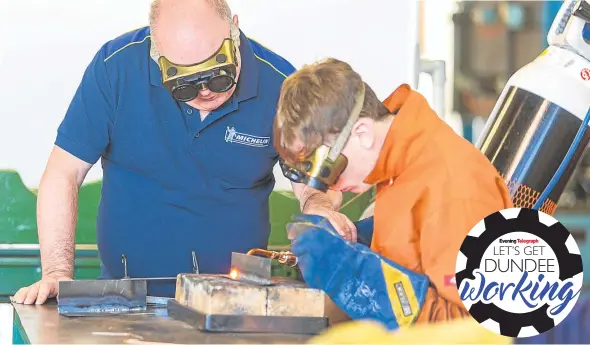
x=360 y=282
x=364 y=227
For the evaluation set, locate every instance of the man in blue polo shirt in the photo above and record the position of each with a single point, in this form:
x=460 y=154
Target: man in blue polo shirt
x=181 y=114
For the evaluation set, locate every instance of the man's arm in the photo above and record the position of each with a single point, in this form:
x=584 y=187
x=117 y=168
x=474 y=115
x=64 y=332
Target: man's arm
x=57 y=210
x=310 y=197
x=82 y=138
x=314 y=202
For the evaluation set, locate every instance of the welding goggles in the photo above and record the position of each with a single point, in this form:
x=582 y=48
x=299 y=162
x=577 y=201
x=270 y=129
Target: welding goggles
x=322 y=167
x=216 y=73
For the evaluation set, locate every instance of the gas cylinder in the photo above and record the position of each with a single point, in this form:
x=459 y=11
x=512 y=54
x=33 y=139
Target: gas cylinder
x=536 y=132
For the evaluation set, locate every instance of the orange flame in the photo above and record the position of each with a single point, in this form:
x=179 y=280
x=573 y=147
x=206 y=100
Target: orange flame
x=233 y=274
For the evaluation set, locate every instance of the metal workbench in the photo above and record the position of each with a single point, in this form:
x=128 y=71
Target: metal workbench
x=43 y=325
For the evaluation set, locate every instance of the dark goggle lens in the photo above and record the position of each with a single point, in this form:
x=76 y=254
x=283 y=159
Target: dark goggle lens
x=186 y=93
x=220 y=83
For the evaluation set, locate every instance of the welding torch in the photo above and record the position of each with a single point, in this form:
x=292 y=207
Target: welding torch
x=283 y=257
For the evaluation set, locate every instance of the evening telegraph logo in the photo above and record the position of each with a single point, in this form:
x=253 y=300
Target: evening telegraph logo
x=519 y=272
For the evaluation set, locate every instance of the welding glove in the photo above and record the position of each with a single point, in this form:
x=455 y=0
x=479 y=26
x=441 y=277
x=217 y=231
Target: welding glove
x=363 y=227
x=360 y=282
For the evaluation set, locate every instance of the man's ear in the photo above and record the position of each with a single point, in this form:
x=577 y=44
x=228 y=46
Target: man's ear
x=236 y=21
x=364 y=130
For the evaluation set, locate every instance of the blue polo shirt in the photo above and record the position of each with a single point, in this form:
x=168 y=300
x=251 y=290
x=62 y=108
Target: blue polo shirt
x=173 y=184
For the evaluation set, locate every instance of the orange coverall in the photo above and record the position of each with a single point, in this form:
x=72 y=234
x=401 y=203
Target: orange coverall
x=433 y=186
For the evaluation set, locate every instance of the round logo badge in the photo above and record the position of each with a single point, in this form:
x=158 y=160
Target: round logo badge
x=519 y=272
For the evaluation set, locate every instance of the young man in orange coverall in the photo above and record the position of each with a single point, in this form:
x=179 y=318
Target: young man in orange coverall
x=433 y=186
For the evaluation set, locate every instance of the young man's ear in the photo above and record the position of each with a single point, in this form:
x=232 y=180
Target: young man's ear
x=236 y=21
x=364 y=129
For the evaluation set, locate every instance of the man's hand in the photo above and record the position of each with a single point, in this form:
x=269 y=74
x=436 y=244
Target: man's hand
x=317 y=203
x=40 y=291
x=343 y=226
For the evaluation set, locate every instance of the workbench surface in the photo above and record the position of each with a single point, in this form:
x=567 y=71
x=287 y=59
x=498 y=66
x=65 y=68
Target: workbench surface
x=42 y=324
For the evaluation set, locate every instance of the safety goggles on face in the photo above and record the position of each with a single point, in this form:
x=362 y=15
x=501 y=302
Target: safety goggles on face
x=216 y=73
x=322 y=168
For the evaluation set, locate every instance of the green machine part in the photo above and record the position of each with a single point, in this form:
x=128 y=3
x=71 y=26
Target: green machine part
x=20 y=263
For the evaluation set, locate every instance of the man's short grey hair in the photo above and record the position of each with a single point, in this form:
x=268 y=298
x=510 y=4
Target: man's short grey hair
x=221 y=8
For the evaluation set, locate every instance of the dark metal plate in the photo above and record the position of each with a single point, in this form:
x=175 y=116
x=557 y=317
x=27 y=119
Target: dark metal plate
x=100 y=297
x=246 y=323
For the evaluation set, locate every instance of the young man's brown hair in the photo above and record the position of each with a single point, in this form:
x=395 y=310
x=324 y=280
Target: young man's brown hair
x=315 y=103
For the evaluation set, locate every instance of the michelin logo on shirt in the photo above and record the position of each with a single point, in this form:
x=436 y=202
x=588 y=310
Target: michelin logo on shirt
x=232 y=136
